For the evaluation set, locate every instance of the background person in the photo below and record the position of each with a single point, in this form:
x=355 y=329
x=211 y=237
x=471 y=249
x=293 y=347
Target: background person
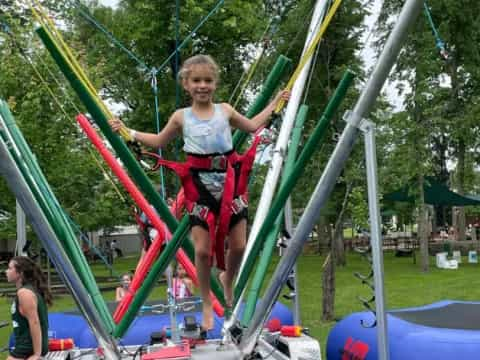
x=122 y=290
x=29 y=309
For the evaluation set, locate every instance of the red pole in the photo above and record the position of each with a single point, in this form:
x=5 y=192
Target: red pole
x=152 y=216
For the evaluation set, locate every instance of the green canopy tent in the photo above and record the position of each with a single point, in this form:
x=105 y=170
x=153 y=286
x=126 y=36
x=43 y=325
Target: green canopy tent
x=435 y=194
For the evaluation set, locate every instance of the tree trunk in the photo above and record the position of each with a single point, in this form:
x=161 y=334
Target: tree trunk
x=336 y=248
x=422 y=227
x=461 y=189
x=338 y=238
x=328 y=285
x=460 y=180
x=339 y=242
x=419 y=149
x=324 y=235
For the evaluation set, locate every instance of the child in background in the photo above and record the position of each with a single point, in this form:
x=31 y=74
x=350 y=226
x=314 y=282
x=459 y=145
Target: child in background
x=182 y=285
x=123 y=288
x=206 y=130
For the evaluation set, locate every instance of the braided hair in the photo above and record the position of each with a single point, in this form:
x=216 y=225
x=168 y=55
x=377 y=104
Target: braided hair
x=33 y=275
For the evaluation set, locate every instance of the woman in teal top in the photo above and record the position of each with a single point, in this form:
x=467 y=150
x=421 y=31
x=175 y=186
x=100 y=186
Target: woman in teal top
x=29 y=309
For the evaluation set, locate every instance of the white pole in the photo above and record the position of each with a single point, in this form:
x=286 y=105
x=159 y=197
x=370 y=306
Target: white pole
x=284 y=135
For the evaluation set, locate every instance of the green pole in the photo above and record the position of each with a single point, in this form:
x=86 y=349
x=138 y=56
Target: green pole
x=115 y=140
x=269 y=246
x=44 y=196
x=120 y=147
x=261 y=101
x=286 y=188
x=157 y=269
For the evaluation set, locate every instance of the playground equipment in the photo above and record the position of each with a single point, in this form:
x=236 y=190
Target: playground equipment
x=250 y=340
x=296 y=83
x=14 y=168
x=153 y=317
x=442 y=330
x=355 y=120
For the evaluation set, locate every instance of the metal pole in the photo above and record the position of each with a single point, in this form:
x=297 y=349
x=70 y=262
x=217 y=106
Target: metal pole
x=376 y=238
x=285 y=189
x=269 y=245
x=296 y=294
x=408 y=15
x=27 y=165
x=50 y=242
x=21 y=231
x=271 y=180
x=172 y=305
x=284 y=135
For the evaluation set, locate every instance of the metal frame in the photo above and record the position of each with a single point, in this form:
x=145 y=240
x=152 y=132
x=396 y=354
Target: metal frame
x=279 y=152
x=337 y=161
x=49 y=240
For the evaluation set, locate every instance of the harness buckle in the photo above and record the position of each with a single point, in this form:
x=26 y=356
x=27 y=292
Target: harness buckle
x=200 y=211
x=238 y=204
x=219 y=162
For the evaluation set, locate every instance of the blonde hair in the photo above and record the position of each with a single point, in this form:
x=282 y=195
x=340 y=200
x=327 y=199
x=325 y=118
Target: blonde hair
x=186 y=68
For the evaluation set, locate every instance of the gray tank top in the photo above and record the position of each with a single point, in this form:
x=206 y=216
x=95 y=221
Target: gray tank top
x=206 y=136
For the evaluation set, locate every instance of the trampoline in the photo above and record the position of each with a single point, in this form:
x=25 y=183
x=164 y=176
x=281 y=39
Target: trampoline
x=71 y=324
x=443 y=330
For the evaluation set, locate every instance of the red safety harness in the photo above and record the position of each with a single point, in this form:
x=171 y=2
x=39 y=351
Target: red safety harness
x=235 y=193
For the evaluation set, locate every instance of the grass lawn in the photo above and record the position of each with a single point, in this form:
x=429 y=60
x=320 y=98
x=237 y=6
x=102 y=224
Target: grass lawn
x=405 y=286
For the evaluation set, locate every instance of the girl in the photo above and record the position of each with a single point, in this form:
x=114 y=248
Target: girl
x=123 y=289
x=182 y=285
x=29 y=309
x=207 y=177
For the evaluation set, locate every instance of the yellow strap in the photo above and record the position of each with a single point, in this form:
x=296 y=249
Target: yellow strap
x=51 y=29
x=92 y=154
x=251 y=71
x=311 y=49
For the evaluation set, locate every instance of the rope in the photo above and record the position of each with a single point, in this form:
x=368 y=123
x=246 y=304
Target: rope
x=157 y=122
x=312 y=68
x=310 y=50
x=177 y=54
x=55 y=79
x=439 y=43
x=86 y=14
x=310 y=75
x=248 y=73
x=50 y=28
x=117 y=42
x=45 y=84
x=177 y=88
x=192 y=33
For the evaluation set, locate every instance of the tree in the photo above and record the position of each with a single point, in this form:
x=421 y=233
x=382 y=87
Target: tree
x=46 y=120
x=437 y=97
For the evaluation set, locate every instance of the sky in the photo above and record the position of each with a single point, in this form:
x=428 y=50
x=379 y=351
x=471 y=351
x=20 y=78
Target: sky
x=109 y=2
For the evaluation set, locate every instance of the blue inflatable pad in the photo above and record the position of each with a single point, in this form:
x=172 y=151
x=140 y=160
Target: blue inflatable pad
x=73 y=325
x=442 y=331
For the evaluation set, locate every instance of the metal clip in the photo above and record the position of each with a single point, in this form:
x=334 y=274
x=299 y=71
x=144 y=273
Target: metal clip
x=238 y=204
x=200 y=211
x=219 y=162
x=363 y=125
